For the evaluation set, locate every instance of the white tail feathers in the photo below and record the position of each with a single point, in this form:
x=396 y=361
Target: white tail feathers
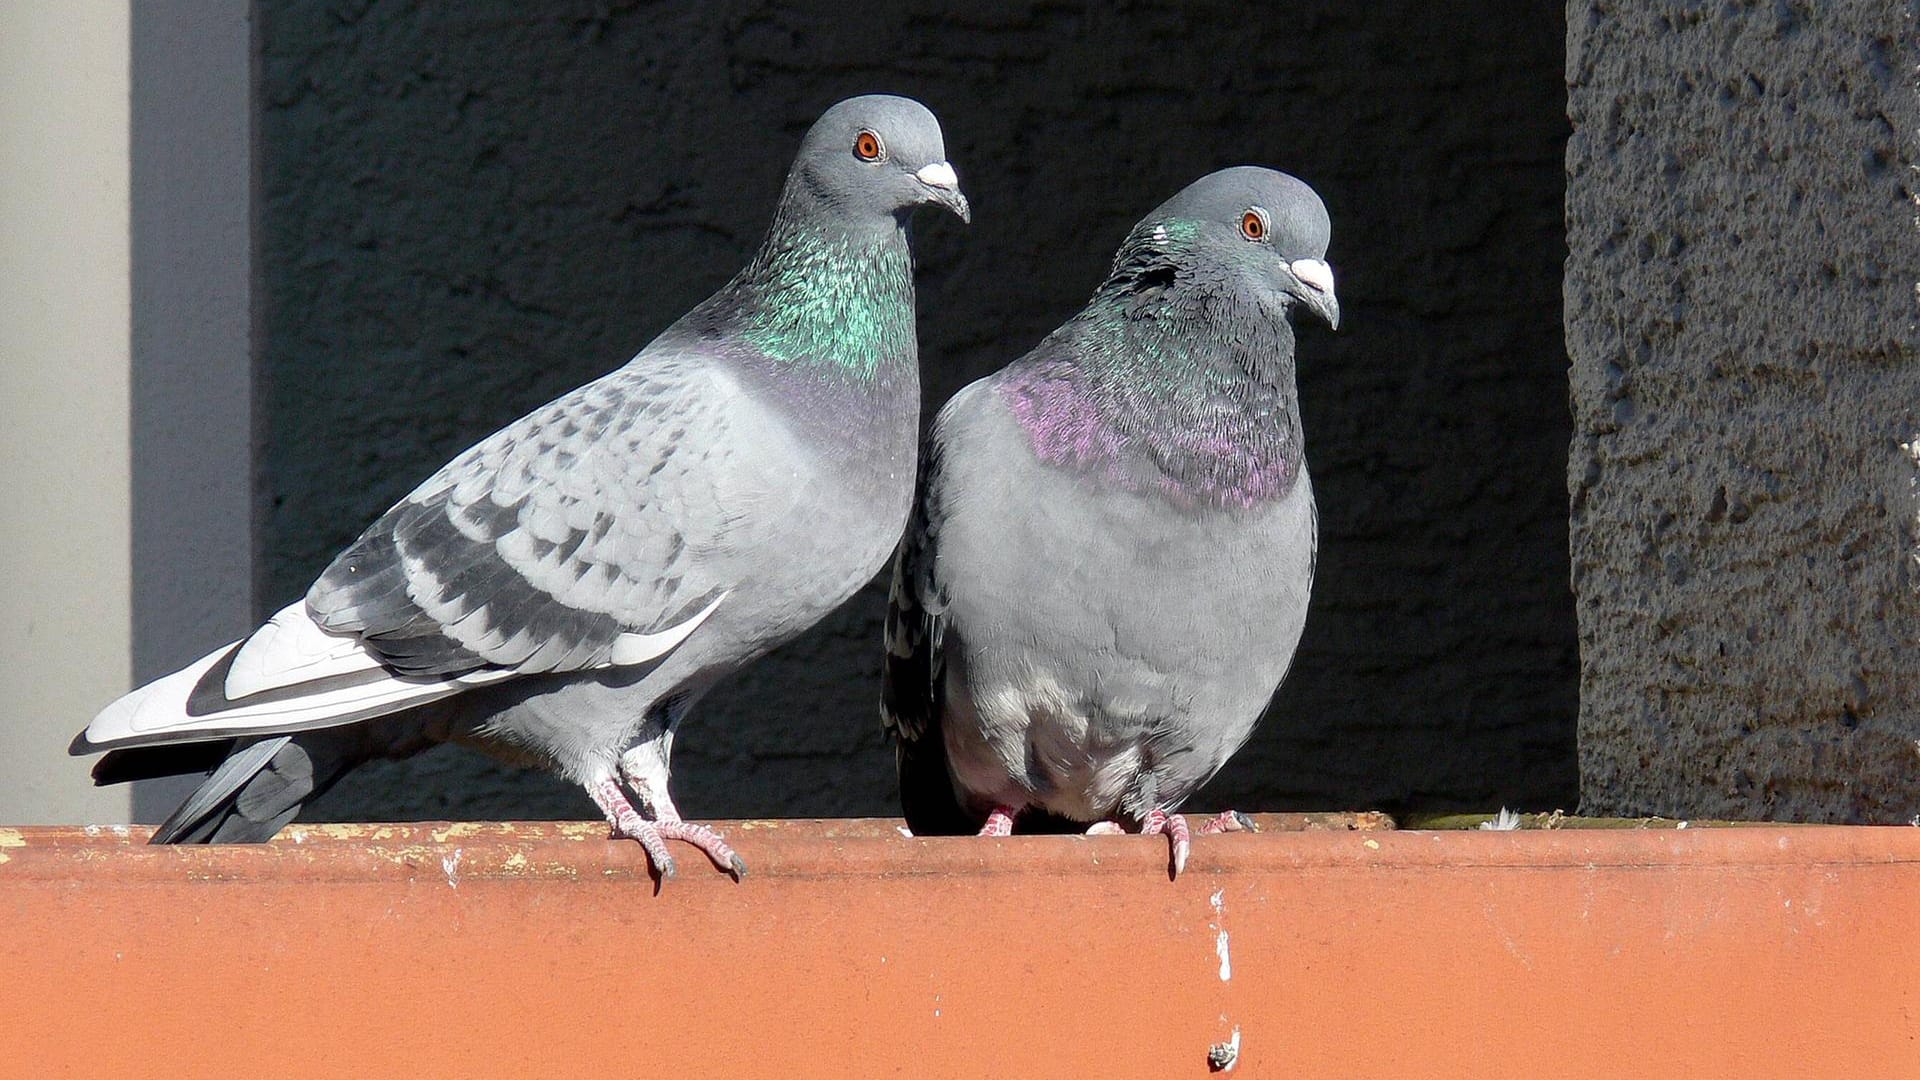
x=323 y=679
x=157 y=712
x=291 y=649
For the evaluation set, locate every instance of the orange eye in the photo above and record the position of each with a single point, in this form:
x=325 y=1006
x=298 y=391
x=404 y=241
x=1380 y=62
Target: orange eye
x=1253 y=225
x=868 y=147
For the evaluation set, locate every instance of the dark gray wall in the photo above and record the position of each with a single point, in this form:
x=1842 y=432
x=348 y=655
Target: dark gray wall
x=469 y=209
x=1740 y=316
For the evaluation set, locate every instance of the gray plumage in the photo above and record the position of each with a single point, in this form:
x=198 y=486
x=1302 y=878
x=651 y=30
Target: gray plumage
x=563 y=592
x=1108 y=567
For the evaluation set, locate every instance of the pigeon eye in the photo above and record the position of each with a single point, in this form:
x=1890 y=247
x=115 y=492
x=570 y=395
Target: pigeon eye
x=1253 y=225
x=868 y=147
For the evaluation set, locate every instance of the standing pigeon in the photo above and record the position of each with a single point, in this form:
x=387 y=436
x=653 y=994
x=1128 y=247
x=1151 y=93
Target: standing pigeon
x=562 y=593
x=1106 y=572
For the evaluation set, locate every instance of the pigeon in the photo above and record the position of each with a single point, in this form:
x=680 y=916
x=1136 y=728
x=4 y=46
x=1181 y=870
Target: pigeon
x=562 y=593
x=1106 y=573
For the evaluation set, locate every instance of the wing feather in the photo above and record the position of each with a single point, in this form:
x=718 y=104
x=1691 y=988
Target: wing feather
x=541 y=546
x=601 y=529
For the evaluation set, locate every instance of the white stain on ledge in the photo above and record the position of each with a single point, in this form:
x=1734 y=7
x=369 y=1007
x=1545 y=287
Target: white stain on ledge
x=1223 y=1056
x=451 y=864
x=1220 y=945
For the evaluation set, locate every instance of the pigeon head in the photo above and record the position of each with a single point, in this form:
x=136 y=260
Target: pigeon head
x=877 y=157
x=1264 y=229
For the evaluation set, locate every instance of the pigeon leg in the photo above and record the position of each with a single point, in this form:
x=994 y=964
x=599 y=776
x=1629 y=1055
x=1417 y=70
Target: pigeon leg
x=1159 y=821
x=645 y=770
x=1000 y=822
x=627 y=822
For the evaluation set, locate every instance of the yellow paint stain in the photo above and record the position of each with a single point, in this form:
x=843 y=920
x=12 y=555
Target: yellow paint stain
x=460 y=830
x=1371 y=845
x=329 y=831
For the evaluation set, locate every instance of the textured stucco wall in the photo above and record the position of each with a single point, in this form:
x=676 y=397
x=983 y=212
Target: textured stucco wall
x=470 y=208
x=1740 y=304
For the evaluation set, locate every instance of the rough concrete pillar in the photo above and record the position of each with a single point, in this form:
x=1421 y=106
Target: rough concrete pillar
x=1740 y=314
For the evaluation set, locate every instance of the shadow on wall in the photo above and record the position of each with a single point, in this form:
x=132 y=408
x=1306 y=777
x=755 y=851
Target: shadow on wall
x=469 y=210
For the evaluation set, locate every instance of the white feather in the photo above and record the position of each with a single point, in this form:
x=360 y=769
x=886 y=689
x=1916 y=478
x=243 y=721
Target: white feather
x=157 y=712
x=1504 y=821
x=292 y=650
x=640 y=648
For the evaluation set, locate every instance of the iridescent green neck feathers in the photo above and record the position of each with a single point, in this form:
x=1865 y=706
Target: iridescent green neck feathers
x=823 y=296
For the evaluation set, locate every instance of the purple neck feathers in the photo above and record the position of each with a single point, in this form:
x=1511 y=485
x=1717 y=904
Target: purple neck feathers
x=1203 y=419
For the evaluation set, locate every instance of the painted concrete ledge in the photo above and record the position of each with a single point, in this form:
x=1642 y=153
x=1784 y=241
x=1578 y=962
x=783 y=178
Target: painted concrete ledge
x=1343 y=951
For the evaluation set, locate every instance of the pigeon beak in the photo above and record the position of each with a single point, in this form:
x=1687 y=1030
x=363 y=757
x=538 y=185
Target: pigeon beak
x=944 y=185
x=1316 y=291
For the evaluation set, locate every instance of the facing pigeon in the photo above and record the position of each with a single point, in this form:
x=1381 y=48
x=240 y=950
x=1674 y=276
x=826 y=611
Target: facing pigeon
x=563 y=593
x=1106 y=573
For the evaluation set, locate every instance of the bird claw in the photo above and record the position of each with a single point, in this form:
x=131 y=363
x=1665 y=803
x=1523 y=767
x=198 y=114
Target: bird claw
x=704 y=838
x=652 y=836
x=1174 y=826
x=1179 y=833
x=1229 y=821
x=641 y=831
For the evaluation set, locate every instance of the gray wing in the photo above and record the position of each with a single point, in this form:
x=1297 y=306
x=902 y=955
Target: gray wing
x=610 y=510
x=916 y=618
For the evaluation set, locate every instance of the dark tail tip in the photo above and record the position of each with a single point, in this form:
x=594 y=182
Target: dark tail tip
x=147 y=762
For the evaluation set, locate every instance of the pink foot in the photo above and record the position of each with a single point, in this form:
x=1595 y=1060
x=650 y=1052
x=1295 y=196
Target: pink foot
x=1159 y=821
x=1000 y=822
x=1229 y=821
x=706 y=840
x=1177 y=830
x=653 y=836
x=627 y=822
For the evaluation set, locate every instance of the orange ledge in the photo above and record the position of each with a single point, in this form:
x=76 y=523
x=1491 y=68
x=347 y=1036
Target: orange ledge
x=542 y=950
